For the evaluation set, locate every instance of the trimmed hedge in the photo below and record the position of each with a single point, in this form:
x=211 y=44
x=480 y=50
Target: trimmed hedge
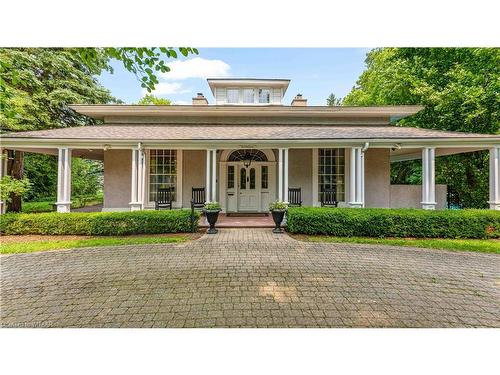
x=98 y=223
x=386 y=222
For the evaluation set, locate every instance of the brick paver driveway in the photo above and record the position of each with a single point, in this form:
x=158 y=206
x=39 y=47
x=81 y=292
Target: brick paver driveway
x=250 y=278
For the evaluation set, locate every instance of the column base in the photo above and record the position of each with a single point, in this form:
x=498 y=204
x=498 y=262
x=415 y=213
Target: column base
x=355 y=204
x=135 y=206
x=494 y=205
x=63 y=207
x=428 y=205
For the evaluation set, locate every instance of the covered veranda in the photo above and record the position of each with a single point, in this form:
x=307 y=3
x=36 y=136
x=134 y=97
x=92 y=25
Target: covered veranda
x=212 y=141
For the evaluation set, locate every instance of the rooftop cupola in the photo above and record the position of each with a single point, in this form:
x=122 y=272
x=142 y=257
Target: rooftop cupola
x=248 y=91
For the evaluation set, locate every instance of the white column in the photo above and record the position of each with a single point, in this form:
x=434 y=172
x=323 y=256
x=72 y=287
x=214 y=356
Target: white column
x=135 y=191
x=64 y=180
x=280 y=175
x=428 y=179
x=3 y=172
x=356 y=177
x=315 y=192
x=213 y=184
x=208 y=178
x=363 y=178
x=494 y=178
x=285 y=175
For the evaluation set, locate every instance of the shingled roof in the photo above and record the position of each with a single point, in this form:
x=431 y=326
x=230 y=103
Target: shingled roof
x=205 y=132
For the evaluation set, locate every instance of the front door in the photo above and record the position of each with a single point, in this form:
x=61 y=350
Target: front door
x=249 y=188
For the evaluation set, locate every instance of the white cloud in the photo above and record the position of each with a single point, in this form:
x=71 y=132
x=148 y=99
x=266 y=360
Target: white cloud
x=197 y=67
x=166 y=88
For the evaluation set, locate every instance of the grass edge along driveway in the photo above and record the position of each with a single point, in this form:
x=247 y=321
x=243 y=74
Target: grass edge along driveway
x=57 y=244
x=482 y=246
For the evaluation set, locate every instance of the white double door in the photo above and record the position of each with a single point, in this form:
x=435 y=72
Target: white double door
x=249 y=185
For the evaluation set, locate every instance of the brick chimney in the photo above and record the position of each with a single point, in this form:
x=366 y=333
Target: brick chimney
x=200 y=99
x=299 y=101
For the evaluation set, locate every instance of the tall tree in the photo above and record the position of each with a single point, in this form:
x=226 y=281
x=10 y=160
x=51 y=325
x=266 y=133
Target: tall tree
x=333 y=101
x=459 y=89
x=38 y=84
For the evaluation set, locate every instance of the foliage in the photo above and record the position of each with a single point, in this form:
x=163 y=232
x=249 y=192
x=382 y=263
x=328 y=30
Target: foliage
x=47 y=205
x=38 y=84
x=380 y=222
x=277 y=205
x=9 y=185
x=459 y=89
x=150 y=99
x=98 y=223
x=212 y=206
x=41 y=170
x=29 y=247
x=333 y=101
x=144 y=62
x=483 y=246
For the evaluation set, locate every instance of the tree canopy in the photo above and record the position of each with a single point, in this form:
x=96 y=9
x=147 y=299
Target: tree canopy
x=150 y=99
x=38 y=84
x=459 y=89
x=332 y=100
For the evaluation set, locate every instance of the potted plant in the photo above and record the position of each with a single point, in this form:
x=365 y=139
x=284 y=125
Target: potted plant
x=278 y=210
x=211 y=210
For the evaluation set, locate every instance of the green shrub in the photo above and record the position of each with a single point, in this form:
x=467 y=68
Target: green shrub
x=384 y=222
x=98 y=223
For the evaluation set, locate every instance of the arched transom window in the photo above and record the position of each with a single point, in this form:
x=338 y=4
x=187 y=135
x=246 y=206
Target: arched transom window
x=245 y=154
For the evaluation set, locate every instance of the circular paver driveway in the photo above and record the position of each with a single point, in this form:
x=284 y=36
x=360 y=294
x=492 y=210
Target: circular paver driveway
x=250 y=278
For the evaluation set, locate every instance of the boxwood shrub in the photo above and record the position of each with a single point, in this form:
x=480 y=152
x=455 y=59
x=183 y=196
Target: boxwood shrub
x=98 y=223
x=380 y=222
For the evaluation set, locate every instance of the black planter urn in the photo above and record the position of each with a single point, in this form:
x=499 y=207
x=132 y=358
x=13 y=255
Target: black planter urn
x=212 y=216
x=278 y=216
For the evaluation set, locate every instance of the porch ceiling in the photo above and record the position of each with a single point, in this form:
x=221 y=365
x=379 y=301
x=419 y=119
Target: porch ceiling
x=404 y=154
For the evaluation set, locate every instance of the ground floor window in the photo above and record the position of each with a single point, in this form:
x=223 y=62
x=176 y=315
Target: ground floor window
x=162 y=171
x=331 y=172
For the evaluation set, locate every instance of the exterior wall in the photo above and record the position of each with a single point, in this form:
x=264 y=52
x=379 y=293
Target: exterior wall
x=410 y=196
x=117 y=179
x=300 y=173
x=193 y=173
x=377 y=177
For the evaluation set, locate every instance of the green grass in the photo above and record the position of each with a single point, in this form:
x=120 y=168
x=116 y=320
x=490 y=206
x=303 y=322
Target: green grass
x=29 y=247
x=483 y=246
x=47 y=205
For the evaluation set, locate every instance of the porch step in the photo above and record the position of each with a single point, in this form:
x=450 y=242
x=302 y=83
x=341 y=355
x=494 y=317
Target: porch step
x=246 y=221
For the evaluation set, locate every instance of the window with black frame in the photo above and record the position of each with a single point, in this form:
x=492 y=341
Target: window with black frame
x=162 y=171
x=331 y=172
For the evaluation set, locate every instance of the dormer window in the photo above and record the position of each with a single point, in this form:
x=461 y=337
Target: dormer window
x=248 y=91
x=233 y=96
x=264 y=96
x=248 y=96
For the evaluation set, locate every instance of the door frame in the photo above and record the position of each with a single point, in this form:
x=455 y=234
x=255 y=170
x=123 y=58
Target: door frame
x=269 y=194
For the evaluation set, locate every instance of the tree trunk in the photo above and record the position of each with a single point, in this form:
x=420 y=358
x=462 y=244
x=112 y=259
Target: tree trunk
x=15 y=169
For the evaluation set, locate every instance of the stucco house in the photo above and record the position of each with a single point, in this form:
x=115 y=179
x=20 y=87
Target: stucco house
x=248 y=149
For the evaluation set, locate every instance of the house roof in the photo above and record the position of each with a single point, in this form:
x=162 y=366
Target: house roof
x=101 y=111
x=209 y=133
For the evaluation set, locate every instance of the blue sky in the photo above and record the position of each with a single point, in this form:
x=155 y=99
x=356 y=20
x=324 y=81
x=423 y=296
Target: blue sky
x=314 y=72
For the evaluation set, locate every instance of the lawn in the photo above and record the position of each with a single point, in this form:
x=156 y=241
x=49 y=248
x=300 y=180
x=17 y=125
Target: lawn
x=24 y=245
x=46 y=205
x=483 y=246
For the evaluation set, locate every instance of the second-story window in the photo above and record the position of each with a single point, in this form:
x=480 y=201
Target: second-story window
x=264 y=96
x=233 y=95
x=248 y=96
